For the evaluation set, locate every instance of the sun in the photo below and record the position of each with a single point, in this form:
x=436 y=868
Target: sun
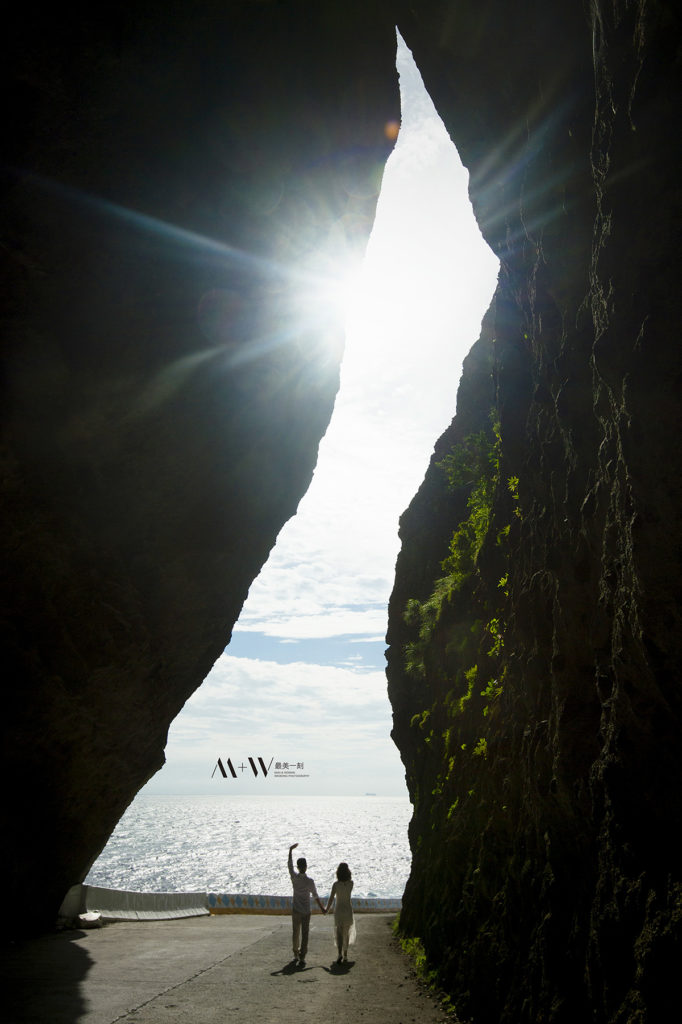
x=328 y=291
x=342 y=291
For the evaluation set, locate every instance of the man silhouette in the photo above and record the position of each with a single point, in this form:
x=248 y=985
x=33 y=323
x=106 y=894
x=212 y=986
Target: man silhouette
x=304 y=888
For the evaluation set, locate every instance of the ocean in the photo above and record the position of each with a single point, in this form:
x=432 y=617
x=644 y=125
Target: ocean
x=239 y=844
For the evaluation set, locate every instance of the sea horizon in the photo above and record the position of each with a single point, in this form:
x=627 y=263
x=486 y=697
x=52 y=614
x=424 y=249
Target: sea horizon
x=238 y=843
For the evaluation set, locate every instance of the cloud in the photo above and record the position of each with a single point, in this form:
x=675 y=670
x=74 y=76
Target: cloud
x=362 y=623
x=334 y=719
x=287 y=686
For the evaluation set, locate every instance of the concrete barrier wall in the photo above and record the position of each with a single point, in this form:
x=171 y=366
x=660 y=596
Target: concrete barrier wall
x=121 y=905
x=244 y=903
x=240 y=903
x=124 y=905
x=375 y=905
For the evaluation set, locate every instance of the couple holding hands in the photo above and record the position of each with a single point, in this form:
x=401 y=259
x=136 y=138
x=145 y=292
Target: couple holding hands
x=304 y=889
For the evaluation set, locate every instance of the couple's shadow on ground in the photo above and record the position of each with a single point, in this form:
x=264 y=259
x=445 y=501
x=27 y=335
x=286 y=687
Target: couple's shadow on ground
x=342 y=968
x=293 y=968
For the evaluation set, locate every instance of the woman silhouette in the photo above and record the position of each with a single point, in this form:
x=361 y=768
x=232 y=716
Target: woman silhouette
x=344 y=922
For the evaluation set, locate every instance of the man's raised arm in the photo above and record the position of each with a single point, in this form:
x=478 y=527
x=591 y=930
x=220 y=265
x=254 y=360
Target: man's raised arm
x=290 y=862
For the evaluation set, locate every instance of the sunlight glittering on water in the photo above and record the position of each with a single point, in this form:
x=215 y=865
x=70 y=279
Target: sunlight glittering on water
x=239 y=844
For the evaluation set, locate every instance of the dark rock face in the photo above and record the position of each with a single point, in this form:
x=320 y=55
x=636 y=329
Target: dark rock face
x=178 y=177
x=536 y=691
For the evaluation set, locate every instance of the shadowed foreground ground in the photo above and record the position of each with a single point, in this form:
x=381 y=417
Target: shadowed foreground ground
x=231 y=968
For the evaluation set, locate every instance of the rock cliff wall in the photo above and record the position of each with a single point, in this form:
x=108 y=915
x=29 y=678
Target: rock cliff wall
x=178 y=179
x=534 y=662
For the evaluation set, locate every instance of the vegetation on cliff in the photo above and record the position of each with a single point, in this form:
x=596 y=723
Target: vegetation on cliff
x=534 y=659
x=467 y=662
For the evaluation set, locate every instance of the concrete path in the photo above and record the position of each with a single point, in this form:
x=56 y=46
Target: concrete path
x=228 y=969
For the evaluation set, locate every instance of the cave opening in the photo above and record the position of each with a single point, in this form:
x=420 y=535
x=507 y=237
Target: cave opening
x=298 y=701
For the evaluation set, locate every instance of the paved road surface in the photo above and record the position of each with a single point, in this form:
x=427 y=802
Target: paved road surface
x=231 y=969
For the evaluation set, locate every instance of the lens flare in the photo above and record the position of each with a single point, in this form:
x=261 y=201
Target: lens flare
x=391 y=130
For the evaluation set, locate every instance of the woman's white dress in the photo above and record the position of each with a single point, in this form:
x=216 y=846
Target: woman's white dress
x=343 y=911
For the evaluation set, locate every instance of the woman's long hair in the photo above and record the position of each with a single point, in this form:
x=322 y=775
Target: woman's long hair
x=343 y=872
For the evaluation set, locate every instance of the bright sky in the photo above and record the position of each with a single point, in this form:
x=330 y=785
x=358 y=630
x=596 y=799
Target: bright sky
x=303 y=680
